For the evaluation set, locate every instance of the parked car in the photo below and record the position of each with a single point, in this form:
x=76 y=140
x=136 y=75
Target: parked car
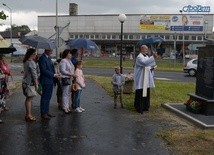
x=191 y=67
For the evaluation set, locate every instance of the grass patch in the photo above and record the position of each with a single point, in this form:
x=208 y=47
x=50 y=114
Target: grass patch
x=128 y=64
x=180 y=139
x=173 y=92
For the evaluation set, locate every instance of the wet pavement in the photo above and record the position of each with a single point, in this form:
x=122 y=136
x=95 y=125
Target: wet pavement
x=101 y=130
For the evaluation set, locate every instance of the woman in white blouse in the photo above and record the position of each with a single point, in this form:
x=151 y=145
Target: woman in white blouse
x=66 y=69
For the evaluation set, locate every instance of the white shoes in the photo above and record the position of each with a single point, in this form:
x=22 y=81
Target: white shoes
x=79 y=109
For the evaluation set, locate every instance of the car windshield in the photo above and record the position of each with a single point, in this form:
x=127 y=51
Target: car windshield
x=194 y=62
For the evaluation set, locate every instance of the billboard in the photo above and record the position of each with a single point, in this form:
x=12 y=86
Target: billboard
x=169 y=23
x=155 y=22
x=187 y=23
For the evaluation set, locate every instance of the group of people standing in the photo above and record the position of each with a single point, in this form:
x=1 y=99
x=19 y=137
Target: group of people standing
x=42 y=73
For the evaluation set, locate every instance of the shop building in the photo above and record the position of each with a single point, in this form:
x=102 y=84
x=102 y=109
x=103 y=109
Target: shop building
x=177 y=30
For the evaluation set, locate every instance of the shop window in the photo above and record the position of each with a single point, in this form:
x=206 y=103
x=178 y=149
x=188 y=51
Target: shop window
x=138 y=37
x=103 y=36
x=180 y=37
x=143 y=37
x=193 y=37
x=113 y=36
x=125 y=36
x=108 y=36
x=167 y=37
x=131 y=37
x=186 y=37
x=72 y=36
x=92 y=36
x=200 y=38
x=96 y=36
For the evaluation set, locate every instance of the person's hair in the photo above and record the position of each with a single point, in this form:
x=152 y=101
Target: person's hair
x=29 y=52
x=74 y=51
x=77 y=64
x=65 y=53
x=117 y=68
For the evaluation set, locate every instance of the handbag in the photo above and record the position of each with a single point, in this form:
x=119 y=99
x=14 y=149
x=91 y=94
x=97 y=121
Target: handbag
x=74 y=87
x=30 y=91
x=66 y=81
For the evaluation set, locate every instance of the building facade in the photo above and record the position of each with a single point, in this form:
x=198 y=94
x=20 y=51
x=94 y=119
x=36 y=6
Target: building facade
x=105 y=29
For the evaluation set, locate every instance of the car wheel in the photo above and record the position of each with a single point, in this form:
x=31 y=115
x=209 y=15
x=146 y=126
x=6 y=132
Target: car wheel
x=192 y=72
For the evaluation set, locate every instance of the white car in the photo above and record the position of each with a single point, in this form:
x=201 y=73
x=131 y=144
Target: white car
x=191 y=67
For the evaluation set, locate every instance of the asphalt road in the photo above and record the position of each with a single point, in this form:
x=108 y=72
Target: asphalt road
x=160 y=75
x=167 y=76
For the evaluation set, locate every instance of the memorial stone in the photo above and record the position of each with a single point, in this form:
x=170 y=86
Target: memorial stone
x=204 y=80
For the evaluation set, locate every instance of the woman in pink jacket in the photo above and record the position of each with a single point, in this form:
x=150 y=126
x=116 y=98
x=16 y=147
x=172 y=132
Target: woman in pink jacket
x=80 y=81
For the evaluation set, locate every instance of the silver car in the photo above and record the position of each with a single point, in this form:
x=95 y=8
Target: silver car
x=191 y=67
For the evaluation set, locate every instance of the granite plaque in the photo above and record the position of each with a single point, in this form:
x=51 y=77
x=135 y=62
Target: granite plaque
x=205 y=73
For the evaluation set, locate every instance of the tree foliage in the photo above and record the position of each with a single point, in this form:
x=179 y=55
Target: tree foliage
x=3 y=16
x=22 y=28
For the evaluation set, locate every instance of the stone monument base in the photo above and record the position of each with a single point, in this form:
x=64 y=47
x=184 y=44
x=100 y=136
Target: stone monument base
x=207 y=106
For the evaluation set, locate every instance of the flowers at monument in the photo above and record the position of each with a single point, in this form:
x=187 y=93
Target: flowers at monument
x=129 y=77
x=194 y=106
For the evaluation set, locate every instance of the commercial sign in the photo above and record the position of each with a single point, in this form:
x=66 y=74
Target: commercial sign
x=169 y=23
x=197 y=8
x=155 y=22
x=187 y=23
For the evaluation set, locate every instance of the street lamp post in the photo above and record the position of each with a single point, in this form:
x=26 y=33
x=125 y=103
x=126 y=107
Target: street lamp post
x=121 y=18
x=11 y=31
x=183 y=24
x=205 y=29
x=57 y=30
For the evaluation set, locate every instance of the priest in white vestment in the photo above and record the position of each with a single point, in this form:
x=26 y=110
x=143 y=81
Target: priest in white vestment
x=143 y=79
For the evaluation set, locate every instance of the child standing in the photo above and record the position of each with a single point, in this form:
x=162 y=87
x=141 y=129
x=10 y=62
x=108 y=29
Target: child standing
x=80 y=81
x=118 y=81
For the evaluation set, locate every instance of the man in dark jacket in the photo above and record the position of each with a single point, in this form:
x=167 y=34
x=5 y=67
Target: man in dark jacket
x=47 y=76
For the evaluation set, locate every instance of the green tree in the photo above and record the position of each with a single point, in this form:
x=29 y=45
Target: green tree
x=2 y=15
x=22 y=28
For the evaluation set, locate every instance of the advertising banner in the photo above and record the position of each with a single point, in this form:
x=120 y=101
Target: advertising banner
x=155 y=22
x=187 y=23
x=169 y=23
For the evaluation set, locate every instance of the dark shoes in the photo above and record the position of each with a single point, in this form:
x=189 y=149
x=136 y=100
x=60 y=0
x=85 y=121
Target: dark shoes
x=50 y=115
x=45 y=117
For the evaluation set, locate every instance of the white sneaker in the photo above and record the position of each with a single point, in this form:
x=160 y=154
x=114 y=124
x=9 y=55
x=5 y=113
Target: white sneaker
x=78 y=110
x=81 y=109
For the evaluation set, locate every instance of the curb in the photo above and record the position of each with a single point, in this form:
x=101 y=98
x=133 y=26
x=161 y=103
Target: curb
x=187 y=117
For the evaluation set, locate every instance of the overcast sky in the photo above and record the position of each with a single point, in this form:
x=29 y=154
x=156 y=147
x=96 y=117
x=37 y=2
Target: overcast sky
x=25 y=12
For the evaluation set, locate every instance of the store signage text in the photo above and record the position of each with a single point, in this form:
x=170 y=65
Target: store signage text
x=197 y=8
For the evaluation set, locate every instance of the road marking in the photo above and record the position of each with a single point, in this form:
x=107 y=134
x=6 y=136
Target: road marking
x=16 y=66
x=164 y=79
